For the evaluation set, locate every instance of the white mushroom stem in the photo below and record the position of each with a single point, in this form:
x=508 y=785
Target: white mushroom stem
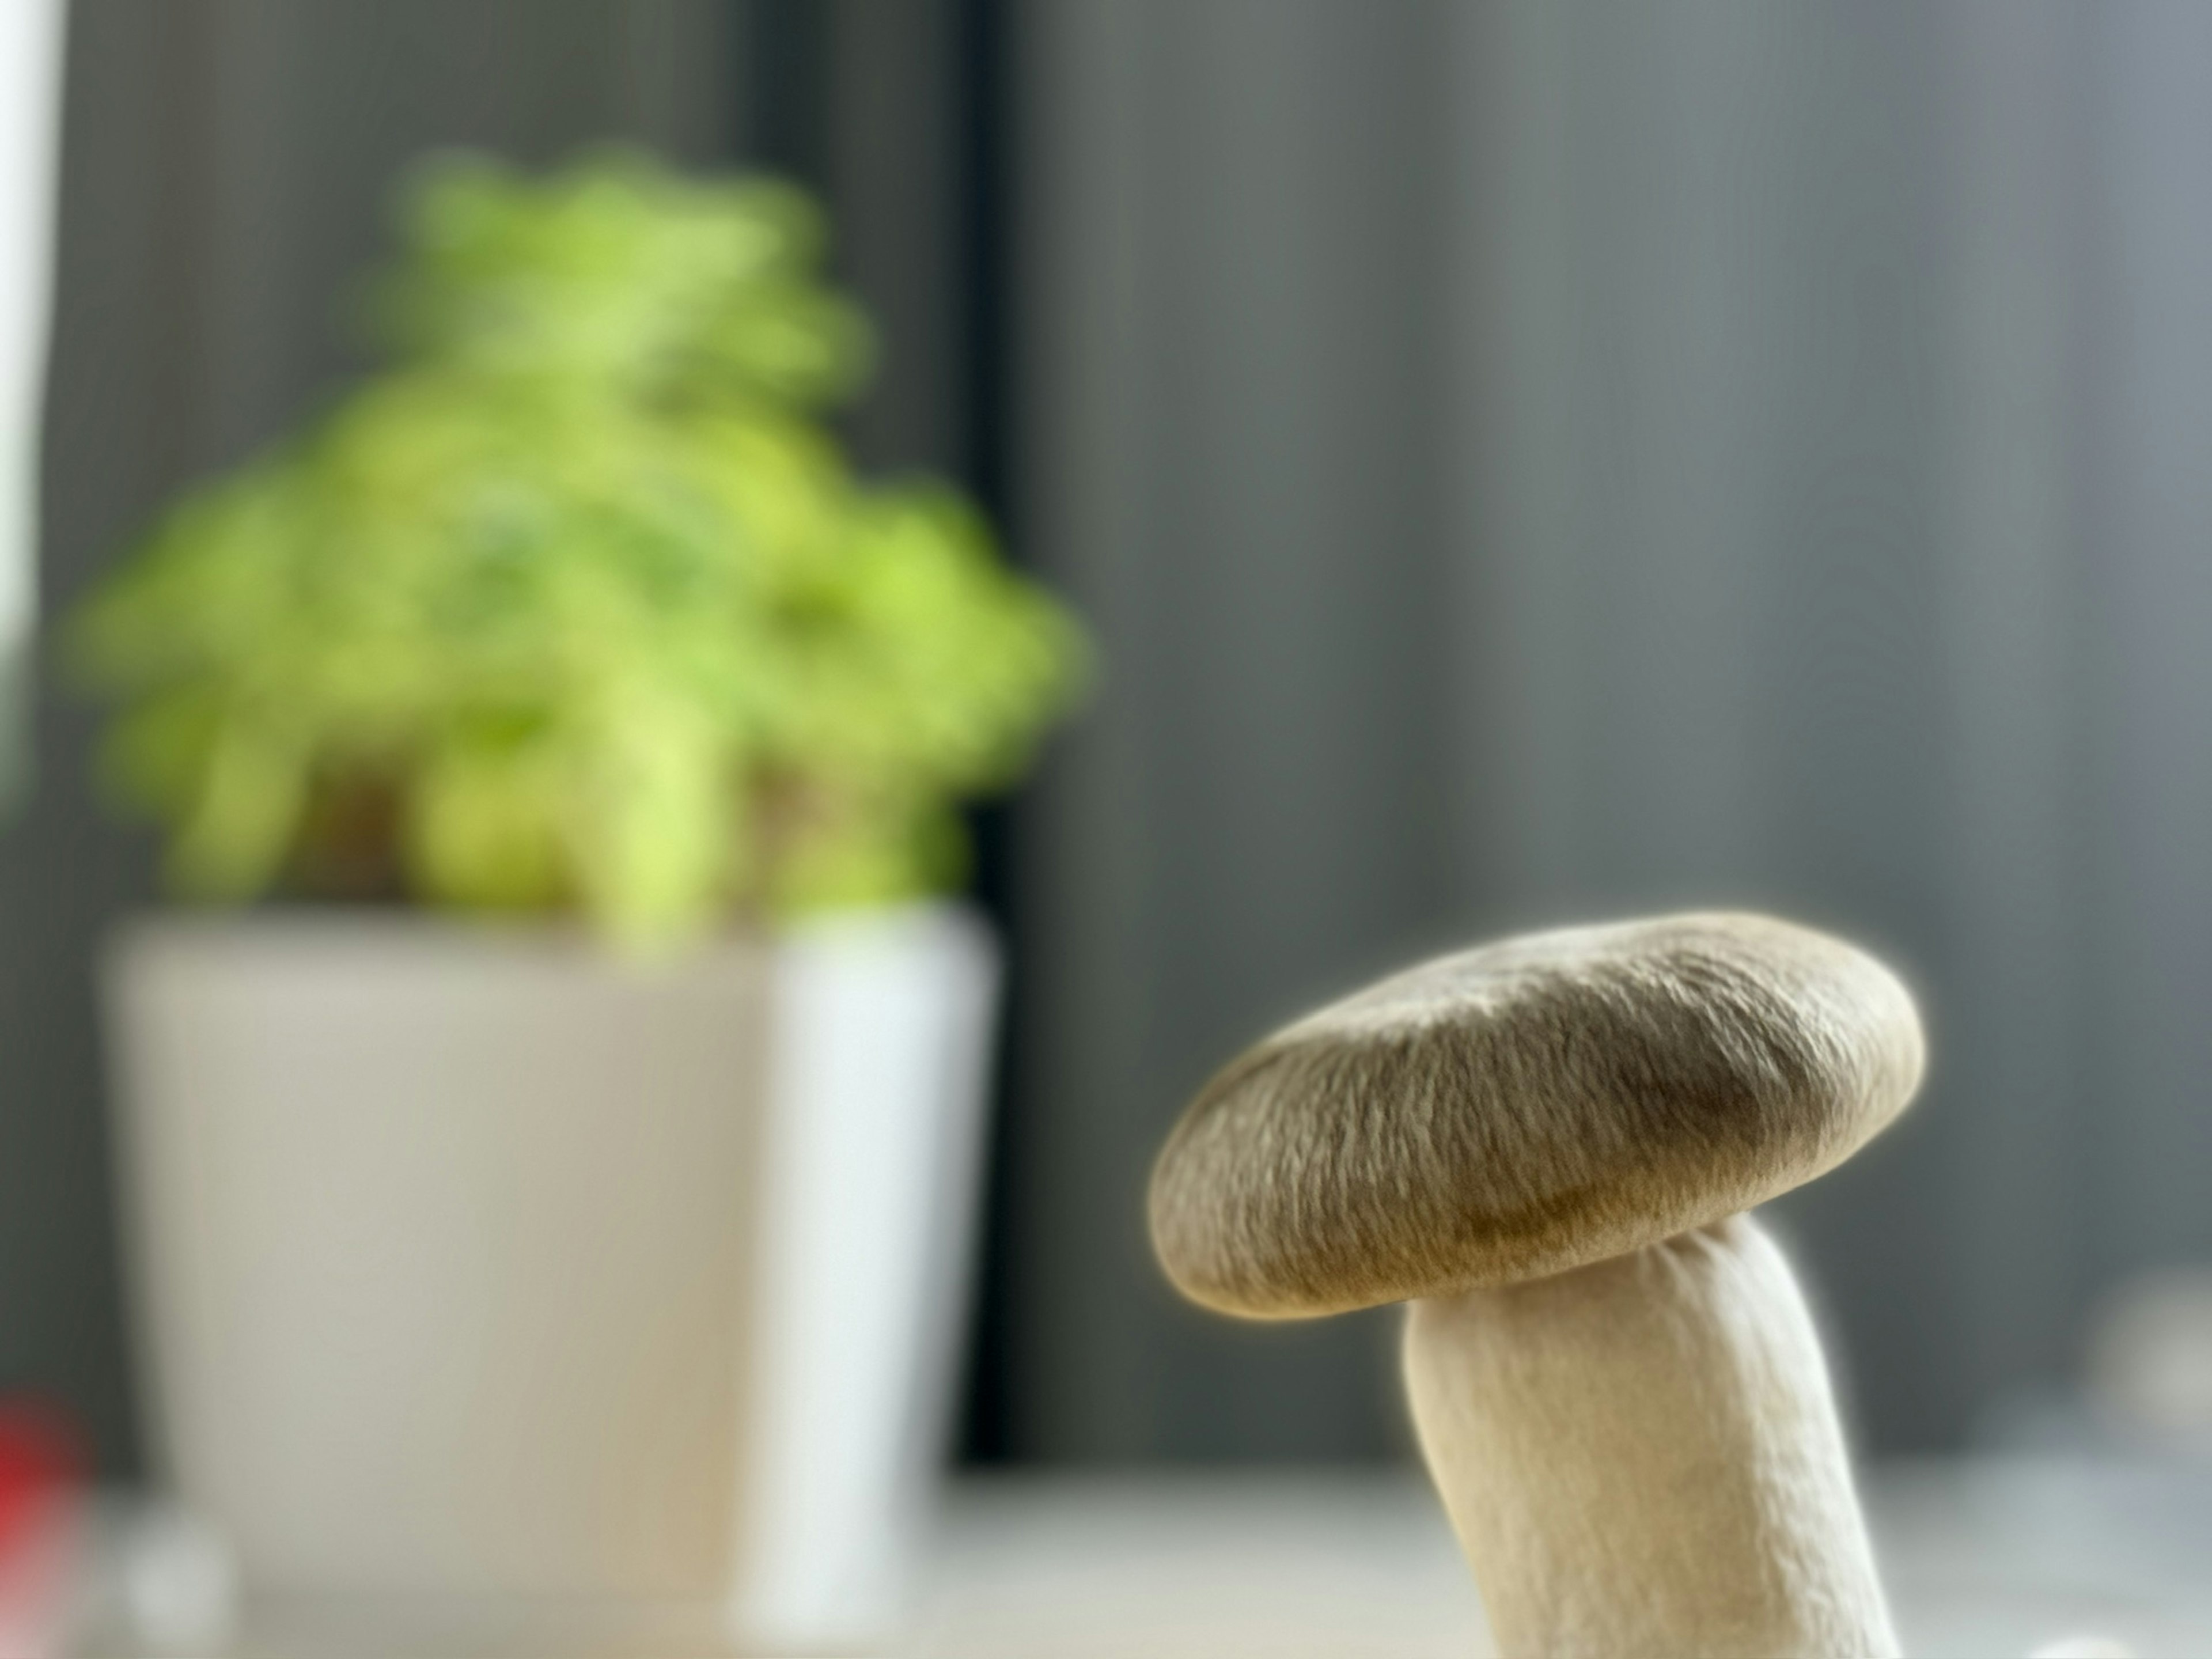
x=1642 y=1457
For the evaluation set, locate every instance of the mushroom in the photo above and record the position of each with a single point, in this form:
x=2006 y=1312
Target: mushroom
x=1546 y=1147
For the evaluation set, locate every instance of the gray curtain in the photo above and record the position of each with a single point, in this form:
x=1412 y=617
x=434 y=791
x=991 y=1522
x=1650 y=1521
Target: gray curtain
x=1531 y=461
x=1524 y=461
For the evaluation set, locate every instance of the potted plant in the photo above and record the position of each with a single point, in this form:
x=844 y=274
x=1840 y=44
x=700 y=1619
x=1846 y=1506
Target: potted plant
x=561 y=1198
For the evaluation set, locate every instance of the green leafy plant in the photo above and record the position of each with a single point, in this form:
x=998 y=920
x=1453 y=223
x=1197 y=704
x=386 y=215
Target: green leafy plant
x=576 y=603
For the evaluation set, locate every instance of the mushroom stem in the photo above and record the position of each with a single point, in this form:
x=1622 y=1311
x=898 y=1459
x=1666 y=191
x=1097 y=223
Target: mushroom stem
x=1643 y=1457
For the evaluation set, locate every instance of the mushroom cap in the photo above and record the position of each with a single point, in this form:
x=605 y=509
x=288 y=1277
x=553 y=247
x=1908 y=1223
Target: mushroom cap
x=1527 y=1107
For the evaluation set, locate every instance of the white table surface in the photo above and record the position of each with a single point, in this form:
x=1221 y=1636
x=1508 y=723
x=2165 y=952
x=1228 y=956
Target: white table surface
x=1983 y=1559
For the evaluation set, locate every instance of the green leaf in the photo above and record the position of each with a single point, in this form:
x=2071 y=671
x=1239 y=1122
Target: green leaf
x=232 y=838
x=580 y=580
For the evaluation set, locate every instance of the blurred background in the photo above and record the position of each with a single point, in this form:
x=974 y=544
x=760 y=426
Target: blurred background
x=1520 y=463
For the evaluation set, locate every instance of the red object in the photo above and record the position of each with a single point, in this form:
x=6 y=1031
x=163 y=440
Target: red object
x=39 y=1462
x=41 y=1471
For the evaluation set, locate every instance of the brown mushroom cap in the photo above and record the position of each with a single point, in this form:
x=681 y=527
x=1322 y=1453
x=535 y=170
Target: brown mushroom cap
x=1528 y=1107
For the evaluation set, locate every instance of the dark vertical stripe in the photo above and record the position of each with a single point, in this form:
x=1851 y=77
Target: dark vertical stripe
x=783 y=90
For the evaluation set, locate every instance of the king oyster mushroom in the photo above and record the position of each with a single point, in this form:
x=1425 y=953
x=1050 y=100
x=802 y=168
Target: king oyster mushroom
x=1546 y=1147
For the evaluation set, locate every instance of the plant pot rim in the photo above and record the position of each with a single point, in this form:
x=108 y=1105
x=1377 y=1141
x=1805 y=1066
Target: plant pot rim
x=311 y=925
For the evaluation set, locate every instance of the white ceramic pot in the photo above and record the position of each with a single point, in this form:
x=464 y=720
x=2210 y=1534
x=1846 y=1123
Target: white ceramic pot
x=478 y=1271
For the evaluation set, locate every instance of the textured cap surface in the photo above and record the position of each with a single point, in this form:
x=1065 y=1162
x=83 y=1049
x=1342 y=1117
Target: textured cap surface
x=1530 y=1107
